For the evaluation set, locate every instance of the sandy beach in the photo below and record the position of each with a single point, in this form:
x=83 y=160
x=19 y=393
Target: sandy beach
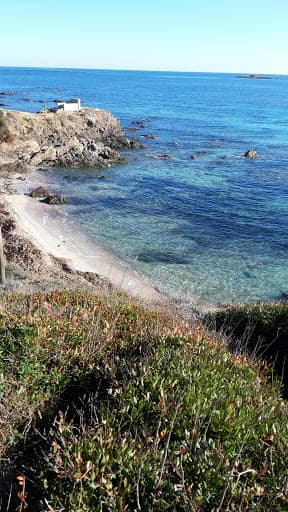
x=55 y=235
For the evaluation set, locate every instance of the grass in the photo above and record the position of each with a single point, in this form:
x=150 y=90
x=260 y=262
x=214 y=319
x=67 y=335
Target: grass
x=107 y=406
x=5 y=135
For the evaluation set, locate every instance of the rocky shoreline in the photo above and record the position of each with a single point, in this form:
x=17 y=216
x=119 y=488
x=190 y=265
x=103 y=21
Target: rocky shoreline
x=89 y=138
x=36 y=258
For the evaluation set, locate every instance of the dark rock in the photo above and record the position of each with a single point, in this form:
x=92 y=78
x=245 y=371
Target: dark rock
x=7 y=93
x=40 y=192
x=150 y=136
x=284 y=296
x=53 y=199
x=165 y=156
x=251 y=154
x=3 y=105
x=167 y=257
x=66 y=266
x=134 y=144
x=197 y=154
x=140 y=123
x=257 y=77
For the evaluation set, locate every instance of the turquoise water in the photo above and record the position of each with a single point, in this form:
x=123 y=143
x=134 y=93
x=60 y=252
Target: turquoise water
x=214 y=227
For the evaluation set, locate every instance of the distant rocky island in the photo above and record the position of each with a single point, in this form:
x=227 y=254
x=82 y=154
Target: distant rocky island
x=88 y=138
x=257 y=77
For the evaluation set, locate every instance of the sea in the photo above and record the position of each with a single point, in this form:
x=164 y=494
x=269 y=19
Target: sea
x=204 y=222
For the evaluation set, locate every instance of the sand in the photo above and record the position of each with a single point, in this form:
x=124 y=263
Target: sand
x=55 y=234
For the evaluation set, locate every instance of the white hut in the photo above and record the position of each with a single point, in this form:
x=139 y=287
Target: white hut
x=73 y=105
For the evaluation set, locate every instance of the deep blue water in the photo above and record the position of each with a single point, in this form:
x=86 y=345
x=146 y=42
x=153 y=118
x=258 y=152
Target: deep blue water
x=214 y=227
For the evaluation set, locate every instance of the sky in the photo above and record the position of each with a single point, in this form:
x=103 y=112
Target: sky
x=242 y=36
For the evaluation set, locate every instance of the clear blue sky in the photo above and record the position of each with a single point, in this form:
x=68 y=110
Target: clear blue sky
x=248 y=36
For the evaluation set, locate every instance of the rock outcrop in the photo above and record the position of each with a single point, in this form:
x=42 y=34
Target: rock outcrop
x=46 y=196
x=251 y=154
x=87 y=138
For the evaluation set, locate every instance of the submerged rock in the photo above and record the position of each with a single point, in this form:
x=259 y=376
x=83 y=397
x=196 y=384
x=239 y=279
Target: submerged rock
x=150 y=136
x=167 y=257
x=140 y=123
x=195 y=155
x=165 y=156
x=7 y=93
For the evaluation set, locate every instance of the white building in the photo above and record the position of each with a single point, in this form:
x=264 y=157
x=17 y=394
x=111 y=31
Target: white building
x=73 y=105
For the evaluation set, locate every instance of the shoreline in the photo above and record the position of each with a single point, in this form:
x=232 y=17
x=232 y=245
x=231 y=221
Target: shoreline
x=69 y=259
x=57 y=237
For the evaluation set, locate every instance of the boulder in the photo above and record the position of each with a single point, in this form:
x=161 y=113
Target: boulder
x=53 y=199
x=40 y=192
x=251 y=154
x=134 y=144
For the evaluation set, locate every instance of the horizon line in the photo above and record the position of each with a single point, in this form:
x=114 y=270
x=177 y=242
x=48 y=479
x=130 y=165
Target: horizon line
x=88 y=68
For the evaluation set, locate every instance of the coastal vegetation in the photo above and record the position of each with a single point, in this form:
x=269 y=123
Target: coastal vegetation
x=5 y=135
x=106 y=405
x=258 y=329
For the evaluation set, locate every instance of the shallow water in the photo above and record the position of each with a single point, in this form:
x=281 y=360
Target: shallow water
x=214 y=227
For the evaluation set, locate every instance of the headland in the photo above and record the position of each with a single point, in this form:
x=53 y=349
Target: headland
x=88 y=138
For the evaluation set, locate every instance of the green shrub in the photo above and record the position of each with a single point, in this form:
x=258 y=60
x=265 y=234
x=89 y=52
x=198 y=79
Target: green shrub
x=260 y=330
x=185 y=429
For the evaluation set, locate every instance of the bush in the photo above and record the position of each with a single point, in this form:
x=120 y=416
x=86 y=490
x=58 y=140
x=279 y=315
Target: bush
x=260 y=330
x=185 y=429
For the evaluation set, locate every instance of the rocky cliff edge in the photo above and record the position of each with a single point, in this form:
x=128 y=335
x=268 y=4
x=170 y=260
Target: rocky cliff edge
x=87 y=138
